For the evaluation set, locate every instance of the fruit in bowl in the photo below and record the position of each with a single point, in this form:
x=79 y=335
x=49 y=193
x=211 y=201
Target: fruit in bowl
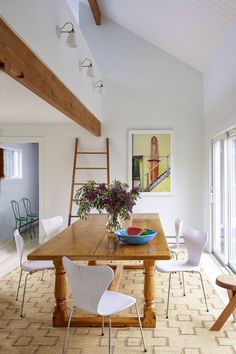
x=144 y=232
x=134 y=231
x=144 y=236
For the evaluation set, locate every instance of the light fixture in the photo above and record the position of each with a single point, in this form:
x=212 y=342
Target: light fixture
x=99 y=84
x=71 y=39
x=87 y=63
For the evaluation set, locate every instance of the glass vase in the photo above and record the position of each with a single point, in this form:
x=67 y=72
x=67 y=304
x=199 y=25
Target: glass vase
x=113 y=222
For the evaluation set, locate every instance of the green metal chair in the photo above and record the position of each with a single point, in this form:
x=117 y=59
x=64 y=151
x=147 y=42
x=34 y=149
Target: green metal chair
x=33 y=217
x=22 y=223
x=28 y=210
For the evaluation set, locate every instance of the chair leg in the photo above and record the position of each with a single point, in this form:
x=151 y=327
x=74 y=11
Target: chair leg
x=17 y=293
x=180 y=279
x=140 y=326
x=203 y=289
x=109 y=321
x=168 y=298
x=23 y=299
x=174 y=254
x=67 y=330
x=42 y=275
x=184 y=293
x=30 y=229
x=102 y=326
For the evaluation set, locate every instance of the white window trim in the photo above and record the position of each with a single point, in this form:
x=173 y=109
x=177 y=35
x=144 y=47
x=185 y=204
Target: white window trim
x=19 y=175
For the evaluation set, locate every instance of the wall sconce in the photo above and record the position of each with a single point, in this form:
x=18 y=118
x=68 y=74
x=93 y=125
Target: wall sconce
x=99 y=84
x=87 y=63
x=71 y=40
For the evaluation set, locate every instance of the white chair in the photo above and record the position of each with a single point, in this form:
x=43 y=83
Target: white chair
x=195 y=243
x=52 y=226
x=178 y=229
x=28 y=266
x=89 y=288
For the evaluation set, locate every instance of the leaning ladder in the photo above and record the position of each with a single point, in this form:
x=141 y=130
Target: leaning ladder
x=75 y=168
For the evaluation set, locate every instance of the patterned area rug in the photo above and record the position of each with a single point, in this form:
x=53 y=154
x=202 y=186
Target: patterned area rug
x=185 y=332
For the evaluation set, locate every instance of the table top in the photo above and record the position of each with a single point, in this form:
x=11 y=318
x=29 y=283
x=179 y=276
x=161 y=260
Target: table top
x=227 y=281
x=89 y=240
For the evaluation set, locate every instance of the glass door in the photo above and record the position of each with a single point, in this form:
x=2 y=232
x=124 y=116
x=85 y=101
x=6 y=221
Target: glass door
x=232 y=199
x=219 y=196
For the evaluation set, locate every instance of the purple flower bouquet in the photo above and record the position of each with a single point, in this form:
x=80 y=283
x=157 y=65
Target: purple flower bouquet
x=115 y=199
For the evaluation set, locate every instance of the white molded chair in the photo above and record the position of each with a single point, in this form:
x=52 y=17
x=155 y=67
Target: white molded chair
x=195 y=244
x=28 y=266
x=52 y=226
x=178 y=229
x=89 y=288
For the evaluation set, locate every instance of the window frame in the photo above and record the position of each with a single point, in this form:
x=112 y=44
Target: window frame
x=17 y=164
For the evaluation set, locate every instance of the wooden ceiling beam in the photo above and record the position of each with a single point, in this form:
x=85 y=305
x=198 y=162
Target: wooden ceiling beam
x=95 y=11
x=19 y=61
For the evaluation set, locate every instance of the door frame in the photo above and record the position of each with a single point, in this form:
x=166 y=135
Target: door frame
x=224 y=133
x=40 y=141
x=223 y=137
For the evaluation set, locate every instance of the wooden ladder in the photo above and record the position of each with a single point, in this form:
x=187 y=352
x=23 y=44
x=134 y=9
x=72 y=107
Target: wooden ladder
x=75 y=168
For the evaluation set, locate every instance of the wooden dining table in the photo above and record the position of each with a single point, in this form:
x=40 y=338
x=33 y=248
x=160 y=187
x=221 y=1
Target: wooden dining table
x=88 y=240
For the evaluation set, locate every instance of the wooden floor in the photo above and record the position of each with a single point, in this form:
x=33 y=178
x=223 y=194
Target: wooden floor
x=8 y=256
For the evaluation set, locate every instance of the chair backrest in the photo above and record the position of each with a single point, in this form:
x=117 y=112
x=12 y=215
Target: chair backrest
x=19 y=246
x=195 y=242
x=27 y=206
x=178 y=230
x=52 y=226
x=15 y=208
x=88 y=283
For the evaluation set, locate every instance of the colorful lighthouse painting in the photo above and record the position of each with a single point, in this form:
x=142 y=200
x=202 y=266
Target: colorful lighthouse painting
x=151 y=161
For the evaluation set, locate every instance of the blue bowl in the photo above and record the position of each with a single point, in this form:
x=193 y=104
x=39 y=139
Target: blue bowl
x=135 y=240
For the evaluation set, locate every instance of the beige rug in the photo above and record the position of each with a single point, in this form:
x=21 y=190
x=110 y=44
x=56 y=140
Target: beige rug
x=185 y=332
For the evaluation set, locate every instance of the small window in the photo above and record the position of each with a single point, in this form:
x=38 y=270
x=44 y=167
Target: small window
x=12 y=163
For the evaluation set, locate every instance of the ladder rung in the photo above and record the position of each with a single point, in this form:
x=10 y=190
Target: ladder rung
x=91 y=153
x=91 y=168
x=75 y=174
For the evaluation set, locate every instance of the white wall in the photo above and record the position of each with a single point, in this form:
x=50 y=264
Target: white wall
x=27 y=187
x=219 y=87
x=35 y=22
x=148 y=89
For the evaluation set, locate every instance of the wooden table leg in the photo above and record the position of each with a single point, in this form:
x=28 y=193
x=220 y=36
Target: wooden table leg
x=149 y=314
x=231 y=294
x=60 y=309
x=225 y=314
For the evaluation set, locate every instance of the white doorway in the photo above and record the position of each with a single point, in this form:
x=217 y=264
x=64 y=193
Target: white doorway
x=39 y=141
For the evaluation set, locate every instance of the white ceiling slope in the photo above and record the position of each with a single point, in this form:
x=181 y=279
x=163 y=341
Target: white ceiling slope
x=19 y=105
x=190 y=30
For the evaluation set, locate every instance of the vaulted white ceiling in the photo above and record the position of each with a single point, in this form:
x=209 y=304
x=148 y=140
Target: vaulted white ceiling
x=190 y=30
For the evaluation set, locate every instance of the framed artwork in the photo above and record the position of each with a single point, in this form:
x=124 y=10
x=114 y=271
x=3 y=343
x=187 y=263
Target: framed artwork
x=150 y=161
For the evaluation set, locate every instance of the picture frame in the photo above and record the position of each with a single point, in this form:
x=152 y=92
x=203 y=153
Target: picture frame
x=150 y=161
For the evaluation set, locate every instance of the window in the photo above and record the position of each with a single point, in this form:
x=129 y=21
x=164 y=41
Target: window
x=12 y=163
x=224 y=198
